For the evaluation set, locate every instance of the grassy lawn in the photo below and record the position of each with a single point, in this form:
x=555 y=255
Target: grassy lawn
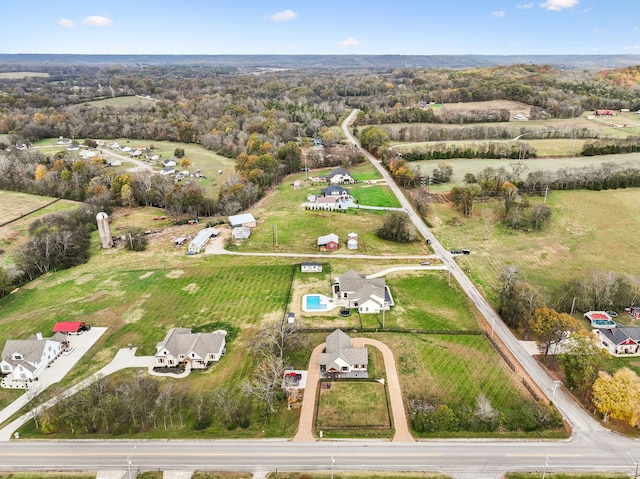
x=586 y=228
x=356 y=475
x=375 y=195
x=352 y=405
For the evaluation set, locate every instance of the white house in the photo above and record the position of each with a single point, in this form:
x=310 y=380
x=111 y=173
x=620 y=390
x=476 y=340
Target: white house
x=340 y=358
x=25 y=359
x=88 y=154
x=620 y=340
x=201 y=240
x=368 y=295
x=180 y=345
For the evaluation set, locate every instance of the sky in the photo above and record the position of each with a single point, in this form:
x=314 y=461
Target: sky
x=303 y=27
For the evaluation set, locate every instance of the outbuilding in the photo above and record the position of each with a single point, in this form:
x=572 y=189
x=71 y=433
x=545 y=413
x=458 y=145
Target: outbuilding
x=245 y=219
x=201 y=240
x=70 y=327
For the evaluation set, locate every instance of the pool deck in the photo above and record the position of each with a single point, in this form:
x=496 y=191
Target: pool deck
x=327 y=303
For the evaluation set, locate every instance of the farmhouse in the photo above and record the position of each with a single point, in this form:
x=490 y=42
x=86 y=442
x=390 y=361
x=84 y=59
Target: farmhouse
x=180 y=345
x=245 y=219
x=168 y=170
x=201 y=240
x=620 y=340
x=169 y=162
x=152 y=156
x=341 y=358
x=328 y=242
x=368 y=295
x=25 y=359
x=311 y=267
x=604 y=112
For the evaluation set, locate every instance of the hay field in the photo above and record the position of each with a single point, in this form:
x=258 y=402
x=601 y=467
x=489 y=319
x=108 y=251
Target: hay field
x=589 y=231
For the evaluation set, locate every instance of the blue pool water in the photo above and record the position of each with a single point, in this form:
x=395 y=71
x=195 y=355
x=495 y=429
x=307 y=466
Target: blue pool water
x=313 y=302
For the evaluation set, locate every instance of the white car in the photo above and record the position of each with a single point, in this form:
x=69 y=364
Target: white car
x=68 y=351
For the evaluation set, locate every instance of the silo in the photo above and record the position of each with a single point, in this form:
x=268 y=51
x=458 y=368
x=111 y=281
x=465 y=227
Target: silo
x=103 y=228
x=352 y=241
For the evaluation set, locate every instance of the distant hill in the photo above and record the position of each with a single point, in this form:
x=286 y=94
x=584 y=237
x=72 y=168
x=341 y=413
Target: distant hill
x=586 y=62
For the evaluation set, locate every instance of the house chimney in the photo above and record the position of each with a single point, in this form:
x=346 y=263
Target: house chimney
x=39 y=336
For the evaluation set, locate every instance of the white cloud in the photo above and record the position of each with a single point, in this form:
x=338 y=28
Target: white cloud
x=525 y=5
x=557 y=5
x=65 y=22
x=97 y=21
x=498 y=13
x=349 y=42
x=633 y=47
x=283 y=16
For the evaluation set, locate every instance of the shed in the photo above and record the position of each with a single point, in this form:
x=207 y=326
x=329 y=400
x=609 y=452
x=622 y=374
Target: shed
x=201 y=240
x=311 y=267
x=330 y=241
x=69 y=327
x=245 y=219
x=241 y=232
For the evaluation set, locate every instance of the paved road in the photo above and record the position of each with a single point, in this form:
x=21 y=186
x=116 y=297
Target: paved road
x=573 y=413
x=482 y=459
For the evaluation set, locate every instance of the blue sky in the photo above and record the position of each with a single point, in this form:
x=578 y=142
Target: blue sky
x=367 y=27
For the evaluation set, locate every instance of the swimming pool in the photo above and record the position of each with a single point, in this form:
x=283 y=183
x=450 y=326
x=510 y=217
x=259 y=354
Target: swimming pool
x=313 y=302
x=317 y=302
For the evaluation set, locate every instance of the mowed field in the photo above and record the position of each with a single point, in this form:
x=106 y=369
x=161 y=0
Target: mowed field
x=589 y=231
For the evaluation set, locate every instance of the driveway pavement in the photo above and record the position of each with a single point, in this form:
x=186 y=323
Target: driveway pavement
x=81 y=343
x=124 y=358
x=305 y=426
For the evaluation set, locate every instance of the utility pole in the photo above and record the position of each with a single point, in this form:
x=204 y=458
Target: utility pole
x=274 y=235
x=636 y=463
x=546 y=192
x=546 y=465
x=129 y=459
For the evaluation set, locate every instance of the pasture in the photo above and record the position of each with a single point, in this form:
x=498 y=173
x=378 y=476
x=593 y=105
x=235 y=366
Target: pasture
x=20 y=210
x=462 y=166
x=119 y=102
x=21 y=75
x=589 y=231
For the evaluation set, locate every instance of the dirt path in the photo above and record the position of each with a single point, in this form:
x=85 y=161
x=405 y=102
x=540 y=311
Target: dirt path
x=305 y=427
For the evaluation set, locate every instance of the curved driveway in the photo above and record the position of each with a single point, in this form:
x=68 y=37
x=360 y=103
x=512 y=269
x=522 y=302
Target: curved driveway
x=305 y=427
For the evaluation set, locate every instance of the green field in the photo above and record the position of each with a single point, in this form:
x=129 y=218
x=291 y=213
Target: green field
x=352 y=405
x=463 y=166
x=589 y=231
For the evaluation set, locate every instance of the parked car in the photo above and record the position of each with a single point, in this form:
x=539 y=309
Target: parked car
x=425 y=263
x=613 y=314
x=291 y=317
x=68 y=351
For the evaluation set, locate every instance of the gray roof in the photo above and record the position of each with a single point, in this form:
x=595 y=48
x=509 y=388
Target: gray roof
x=322 y=240
x=339 y=171
x=183 y=341
x=619 y=335
x=31 y=349
x=239 y=220
x=339 y=347
x=360 y=287
x=241 y=232
x=334 y=190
